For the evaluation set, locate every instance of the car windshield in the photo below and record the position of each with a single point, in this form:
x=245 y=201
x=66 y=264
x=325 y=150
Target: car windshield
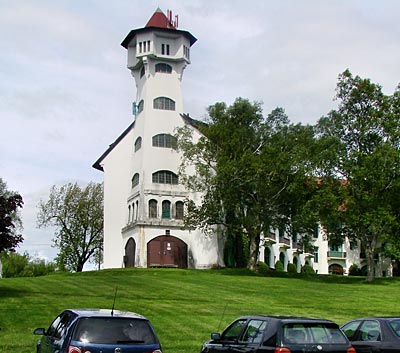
x=310 y=333
x=112 y=330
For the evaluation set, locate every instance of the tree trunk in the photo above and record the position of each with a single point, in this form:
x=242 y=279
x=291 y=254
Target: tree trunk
x=254 y=246
x=370 y=255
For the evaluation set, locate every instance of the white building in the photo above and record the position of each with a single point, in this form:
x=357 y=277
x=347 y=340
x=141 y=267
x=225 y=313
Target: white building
x=143 y=200
x=323 y=257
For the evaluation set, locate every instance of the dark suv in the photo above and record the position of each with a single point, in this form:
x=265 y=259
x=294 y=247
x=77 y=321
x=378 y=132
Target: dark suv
x=279 y=334
x=98 y=331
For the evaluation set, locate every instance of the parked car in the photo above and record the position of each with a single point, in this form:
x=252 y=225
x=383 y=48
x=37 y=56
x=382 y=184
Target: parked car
x=98 y=331
x=374 y=334
x=279 y=334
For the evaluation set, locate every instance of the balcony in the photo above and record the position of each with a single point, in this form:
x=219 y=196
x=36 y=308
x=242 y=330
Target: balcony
x=336 y=254
x=284 y=241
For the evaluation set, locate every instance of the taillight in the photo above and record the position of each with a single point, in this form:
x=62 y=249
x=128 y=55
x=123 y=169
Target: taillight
x=351 y=350
x=282 y=350
x=74 y=349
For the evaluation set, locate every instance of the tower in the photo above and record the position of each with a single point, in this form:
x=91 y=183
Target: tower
x=143 y=199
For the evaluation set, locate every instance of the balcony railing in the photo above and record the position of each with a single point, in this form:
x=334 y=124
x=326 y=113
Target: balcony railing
x=337 y=254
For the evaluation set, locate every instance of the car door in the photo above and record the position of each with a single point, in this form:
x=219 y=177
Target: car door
x=55 y=335
x=367 y=338
x=228 y=340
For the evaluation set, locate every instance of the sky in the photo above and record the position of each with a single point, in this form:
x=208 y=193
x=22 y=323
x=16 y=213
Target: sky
x=66 y=94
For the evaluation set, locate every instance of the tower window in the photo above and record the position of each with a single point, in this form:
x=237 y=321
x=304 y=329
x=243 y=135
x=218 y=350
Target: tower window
x=140 y=106
x=179 y=210
x=164 y=68
x=164 y=140
x=152 y=209
x=140 y=47
x=165 y=177
x=165 y=49
x=135 y=180
x=166 y=209
x=138 y=143
x=164 y=103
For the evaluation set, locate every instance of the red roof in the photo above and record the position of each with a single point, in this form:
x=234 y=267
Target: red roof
x=160 y=20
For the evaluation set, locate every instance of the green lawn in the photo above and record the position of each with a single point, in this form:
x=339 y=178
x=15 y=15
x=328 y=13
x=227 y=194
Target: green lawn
x=185 y=306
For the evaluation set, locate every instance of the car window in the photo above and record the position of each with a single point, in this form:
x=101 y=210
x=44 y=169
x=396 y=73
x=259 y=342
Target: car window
x=312 y=333
x=234 y=330
x=395 y=325
x=350 y=329
x=113 y=330
x=254 y=331
x=370 y=331
x=58 y=327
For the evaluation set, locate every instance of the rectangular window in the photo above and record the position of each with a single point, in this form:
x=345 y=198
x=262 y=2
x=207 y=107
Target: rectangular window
x=167 y=49
x=148 y=45
x=144 y=46
x=163 y=49
x=316 y=255
x=140 y=47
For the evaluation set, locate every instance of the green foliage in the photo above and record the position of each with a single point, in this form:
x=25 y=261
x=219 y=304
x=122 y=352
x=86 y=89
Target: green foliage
x=354 y=270
x=279 y=266
x=359 y=154
x=166 y=296
x=263 y=268
x=251 y=172
x=291 y=268
x=16 y=265
x=307 y=270
x=77 y=215
x=10 y=221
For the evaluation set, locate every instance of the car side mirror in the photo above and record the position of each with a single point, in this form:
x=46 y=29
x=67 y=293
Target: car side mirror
x=215 y=336
x=39 y=331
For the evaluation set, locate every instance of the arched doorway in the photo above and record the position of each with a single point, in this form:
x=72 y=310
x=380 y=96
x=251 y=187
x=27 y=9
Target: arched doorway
x=267 y=256
x=336 y=269
x=296 y=263
x=130 y=251
x=167 y=251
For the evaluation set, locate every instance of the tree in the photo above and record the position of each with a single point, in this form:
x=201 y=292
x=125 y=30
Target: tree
x=10 y=221
x=244 y=166
x=360 y=166
x=77 y=215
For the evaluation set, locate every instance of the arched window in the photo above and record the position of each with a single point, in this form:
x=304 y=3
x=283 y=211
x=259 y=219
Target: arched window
x=164 y=68
x=135 y=180
x=179 y=210
x=165 y=177
x=142 y=71
x=152 y=209
x=164 y=103
x=140 y=106
x=166 y=209
x=164 y=140
x=138 y=143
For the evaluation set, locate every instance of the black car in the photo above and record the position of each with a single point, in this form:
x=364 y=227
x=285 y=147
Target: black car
x=374 y=334
x=279 y=334
x=98 y=331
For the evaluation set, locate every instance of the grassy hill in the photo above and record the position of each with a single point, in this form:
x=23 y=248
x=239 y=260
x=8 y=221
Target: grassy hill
x=185 y=306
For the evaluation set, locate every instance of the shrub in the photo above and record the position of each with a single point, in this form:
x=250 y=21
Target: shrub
x=354 y=270
x=279 y=266
x=262 y=268
x=17 y=265
x=307 y=270
x=291 y=268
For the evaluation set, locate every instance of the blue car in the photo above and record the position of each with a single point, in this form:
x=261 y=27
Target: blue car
x=98 y=331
